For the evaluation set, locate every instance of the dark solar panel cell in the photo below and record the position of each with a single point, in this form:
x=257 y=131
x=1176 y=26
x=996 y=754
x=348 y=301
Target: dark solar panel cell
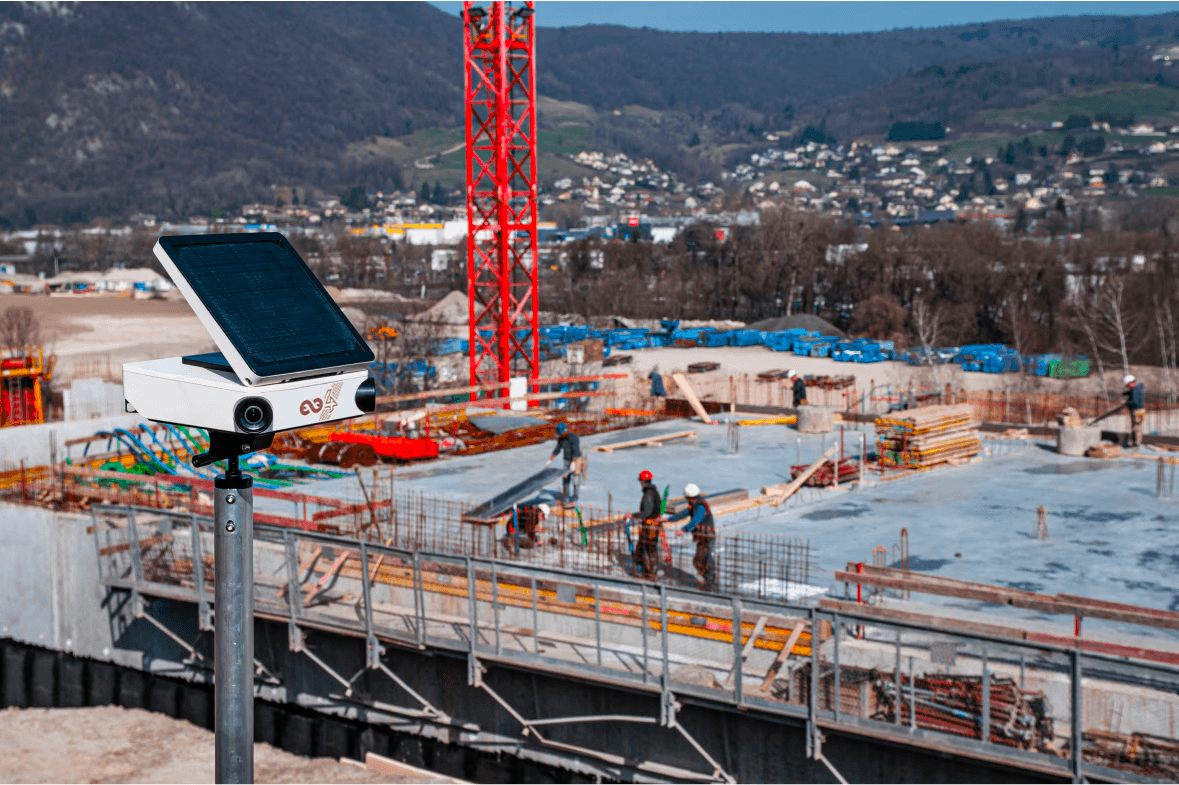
x=268 y=303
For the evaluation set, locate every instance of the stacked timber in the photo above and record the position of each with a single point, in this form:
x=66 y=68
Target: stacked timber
x=924 y=437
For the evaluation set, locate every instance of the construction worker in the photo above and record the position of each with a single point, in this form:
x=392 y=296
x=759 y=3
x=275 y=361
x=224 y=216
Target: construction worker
x=530 y=518
x=703 y=530
x=646 y=554
x=657 y=388
x=1136 y=404
x=798 y=388
x=569 y=444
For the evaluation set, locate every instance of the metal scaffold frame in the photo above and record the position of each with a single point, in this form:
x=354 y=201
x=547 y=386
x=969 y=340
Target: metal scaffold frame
x=499 y=83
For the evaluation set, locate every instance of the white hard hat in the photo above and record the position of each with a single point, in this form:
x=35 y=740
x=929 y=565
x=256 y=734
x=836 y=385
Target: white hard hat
x=544 y=508
x=791 y=373
x=691 y=490
x=1127 y=378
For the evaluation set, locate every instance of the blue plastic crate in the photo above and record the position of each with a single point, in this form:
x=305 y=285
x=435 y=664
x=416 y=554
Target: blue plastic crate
x=715 y=339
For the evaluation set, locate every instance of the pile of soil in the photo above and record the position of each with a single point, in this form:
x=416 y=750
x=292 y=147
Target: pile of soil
x=806 y=321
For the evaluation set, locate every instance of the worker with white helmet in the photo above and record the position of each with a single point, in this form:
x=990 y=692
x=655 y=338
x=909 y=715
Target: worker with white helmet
x=1136 y=404
x=798 y=388
x=703 y=530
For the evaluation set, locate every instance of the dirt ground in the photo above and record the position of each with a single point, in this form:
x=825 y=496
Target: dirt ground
x=113 y=744
x=86 y=332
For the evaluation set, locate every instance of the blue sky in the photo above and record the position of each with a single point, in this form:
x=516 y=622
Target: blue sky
x=806 y=16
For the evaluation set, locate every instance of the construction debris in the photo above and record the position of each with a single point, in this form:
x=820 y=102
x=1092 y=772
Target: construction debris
x=953 y=704
x=1104 y=451
x=824 y=476
x=1141 y=753
x=924 y=437
x=1069 y=418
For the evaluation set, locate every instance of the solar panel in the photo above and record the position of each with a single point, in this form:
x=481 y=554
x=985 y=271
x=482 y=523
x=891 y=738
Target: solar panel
x=264 y=308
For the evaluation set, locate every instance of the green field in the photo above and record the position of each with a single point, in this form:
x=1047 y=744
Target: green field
x=554 y=148
x=1144 y=101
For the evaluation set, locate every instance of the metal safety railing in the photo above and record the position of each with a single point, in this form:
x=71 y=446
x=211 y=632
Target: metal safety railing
x=1037 y=707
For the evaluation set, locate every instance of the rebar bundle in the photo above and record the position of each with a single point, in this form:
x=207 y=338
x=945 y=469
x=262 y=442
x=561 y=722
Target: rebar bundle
x=954 y=704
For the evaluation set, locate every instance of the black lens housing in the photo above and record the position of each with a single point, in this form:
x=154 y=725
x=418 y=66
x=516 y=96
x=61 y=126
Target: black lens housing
x=366 y=396
x=253 y=415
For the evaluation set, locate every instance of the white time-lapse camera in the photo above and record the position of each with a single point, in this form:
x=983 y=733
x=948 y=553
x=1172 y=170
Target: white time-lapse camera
x=289 y=357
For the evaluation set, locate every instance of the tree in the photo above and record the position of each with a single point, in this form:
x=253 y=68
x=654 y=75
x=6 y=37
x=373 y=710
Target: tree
x=880 y=317
x=19 y=327
x=356 y=199
x=927 y=319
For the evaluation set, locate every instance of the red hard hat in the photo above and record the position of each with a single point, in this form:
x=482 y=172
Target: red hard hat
x=645 y=475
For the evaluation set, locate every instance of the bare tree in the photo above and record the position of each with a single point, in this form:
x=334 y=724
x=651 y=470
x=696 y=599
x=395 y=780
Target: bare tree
x=927 y=318
x=19 y=327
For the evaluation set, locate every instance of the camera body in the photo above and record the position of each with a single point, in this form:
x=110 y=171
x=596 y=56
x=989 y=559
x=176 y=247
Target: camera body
x=173 y=391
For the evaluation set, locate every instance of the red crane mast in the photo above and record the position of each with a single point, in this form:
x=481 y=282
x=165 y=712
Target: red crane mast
x=499 y=81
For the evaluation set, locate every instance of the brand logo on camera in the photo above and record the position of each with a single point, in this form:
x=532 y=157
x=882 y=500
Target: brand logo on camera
x=323 y=406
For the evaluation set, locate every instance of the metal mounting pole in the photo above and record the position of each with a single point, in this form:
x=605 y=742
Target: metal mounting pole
x=233 y=552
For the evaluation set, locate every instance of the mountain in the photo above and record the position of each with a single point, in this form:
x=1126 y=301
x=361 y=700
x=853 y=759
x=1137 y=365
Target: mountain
x=964 y=94
x=108 y=109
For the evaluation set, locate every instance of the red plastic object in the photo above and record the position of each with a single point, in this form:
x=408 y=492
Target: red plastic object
x=400 y=448
x=499 y=80
x=13 y=364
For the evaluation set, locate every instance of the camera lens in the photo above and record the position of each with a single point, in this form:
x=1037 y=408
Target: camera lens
x=253 y=415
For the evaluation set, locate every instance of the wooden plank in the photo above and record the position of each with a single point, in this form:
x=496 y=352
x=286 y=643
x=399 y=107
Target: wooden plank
x=1064 y=604
x=651 y=440
x=802 y=478
x=143 y=544
x=783 y=655
x=950 y=624
x=403 y=771
x=327 y=576
x=692 y=399
x=304 y=566
x=753 y=636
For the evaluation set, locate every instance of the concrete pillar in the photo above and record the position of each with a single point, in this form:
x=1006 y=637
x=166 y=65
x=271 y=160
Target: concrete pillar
x=816 y=419
x=1075 y=441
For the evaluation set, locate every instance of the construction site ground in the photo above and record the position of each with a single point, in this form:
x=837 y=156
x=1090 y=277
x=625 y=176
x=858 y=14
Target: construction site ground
x=87 y=330
x=1109 y=537
x=114 y=744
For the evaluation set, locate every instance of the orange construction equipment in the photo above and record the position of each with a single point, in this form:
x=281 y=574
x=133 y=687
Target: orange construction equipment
x=22 y=369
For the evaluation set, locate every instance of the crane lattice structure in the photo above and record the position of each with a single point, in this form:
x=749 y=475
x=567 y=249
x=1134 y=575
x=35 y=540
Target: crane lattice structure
x=500 y=94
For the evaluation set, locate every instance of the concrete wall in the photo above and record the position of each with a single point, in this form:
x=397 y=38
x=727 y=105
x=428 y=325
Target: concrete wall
x=30 y=443
x=90 y=399
x=52 y=596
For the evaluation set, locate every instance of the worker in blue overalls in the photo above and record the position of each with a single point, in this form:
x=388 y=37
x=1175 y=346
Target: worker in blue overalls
x=570 y=445
x=703 y=530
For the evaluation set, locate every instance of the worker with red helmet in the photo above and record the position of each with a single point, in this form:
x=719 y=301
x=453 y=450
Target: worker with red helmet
x=646 y=554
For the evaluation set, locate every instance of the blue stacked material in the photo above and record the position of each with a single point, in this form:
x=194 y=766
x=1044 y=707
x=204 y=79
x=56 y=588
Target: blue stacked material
x=450 y=346
x=971 y=365
x=803 y=343
x=690 y=333
x=1039 y=364
x=715 y=338
x=748 y=338
x=870 y=357
x=783 y=341
x=658 y=340
x=614 y=337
